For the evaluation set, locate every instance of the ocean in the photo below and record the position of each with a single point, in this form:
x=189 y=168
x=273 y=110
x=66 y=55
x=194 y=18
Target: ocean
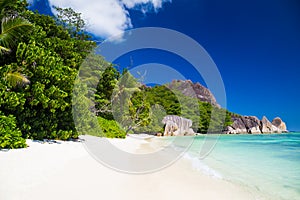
x=268 y=165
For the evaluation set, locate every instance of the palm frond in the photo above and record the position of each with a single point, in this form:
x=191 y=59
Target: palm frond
x=4 y=50
x=16 y=79
x=12 y=28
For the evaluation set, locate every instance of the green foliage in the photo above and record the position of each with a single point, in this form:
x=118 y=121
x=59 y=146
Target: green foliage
x=126 y=86
x=12 y=28
x=10 y=135
x=48 y=103
x=41 y=96
x=161 y=95
x=149 y=105
x=84 y=119
x=104 y=91
x=16 y=79
x=110 y=129
x=10 y=99
x=72 y=21
x=46 y=64
x=11 y=31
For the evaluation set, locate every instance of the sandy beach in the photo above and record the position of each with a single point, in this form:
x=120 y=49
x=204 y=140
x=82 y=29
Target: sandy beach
x=65 y=170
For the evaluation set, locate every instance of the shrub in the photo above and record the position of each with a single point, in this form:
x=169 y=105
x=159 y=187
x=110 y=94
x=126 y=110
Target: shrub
x=10 y=135
x=110 y=129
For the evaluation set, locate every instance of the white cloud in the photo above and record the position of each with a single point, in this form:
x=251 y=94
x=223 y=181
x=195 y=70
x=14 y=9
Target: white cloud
x=132 y=3
x=107 y=18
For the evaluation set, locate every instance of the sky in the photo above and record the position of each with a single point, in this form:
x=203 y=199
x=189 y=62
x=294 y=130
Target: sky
x=255 y=44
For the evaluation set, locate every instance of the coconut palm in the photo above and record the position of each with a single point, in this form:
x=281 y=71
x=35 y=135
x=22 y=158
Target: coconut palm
x=12 y=27
x=120 y=101
x=11 y=30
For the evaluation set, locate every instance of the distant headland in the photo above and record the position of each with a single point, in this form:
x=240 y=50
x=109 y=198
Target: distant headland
x=175 y=125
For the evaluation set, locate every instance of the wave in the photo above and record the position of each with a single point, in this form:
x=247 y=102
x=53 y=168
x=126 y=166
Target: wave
x=197 y=164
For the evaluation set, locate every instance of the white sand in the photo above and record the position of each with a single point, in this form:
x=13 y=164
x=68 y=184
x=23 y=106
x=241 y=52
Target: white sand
x=66 y=171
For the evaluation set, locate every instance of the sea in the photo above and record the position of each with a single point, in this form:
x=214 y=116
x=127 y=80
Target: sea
x=267 y=165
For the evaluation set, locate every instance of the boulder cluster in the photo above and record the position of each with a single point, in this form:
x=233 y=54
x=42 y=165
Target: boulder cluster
x=179 y=126
x=252 y=125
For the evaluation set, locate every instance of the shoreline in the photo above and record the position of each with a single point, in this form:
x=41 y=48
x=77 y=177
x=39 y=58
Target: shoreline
x=65 y=170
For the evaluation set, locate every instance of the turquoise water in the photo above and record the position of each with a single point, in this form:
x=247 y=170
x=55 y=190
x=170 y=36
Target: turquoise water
x=267 y=165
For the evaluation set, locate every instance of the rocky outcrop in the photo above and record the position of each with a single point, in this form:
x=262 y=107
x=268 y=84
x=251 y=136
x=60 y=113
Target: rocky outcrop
x=268 y=127
x=195 y=90
x=245 y=124
x=277 y=122
x=177 y=126
x=252 y=125
x=238 y=126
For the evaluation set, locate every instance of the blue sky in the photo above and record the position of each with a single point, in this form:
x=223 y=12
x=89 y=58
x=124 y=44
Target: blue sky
x=255 y=45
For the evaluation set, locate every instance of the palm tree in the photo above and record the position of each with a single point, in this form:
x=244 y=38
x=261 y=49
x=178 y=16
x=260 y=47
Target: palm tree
x=12 y=27
x=120 y=101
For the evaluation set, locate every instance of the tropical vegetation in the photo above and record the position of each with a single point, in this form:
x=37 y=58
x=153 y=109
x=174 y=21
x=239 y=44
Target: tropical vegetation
x=40 y=58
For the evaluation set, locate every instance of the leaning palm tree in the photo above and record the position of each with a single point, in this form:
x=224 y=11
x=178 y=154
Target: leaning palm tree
x=12 y=27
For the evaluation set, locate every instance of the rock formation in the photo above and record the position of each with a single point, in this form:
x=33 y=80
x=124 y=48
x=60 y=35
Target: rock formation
x=238 y=126
x=268 y=127
x=279 y=124
x=196 y=90
x=252 y=125
x=177 y=126
x=170 y=128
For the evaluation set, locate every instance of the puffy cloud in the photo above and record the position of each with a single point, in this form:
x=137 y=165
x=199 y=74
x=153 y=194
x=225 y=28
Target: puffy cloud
x=155 y=3
x=106 y=18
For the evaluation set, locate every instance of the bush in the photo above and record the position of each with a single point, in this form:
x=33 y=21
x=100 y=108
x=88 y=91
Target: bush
x=110 y=129
x=10 y=135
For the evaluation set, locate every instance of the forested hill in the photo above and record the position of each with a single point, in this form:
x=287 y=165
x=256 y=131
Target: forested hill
x=39 y=61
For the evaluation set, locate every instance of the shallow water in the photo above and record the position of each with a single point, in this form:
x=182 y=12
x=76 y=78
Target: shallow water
x=267 y=165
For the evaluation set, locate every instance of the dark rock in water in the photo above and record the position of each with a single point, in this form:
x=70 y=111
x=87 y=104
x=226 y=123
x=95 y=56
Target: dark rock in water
x=195 y=90
x=177 y=126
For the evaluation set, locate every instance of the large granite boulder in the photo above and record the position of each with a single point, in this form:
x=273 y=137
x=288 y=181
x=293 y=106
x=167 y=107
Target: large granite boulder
x=177 y=126
x=244 y=124
x=170 y=128
x=196 y=90
x=268 y=127
x=252 y=124
x=230 y=130
x=238 y=126
x=277 y=122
